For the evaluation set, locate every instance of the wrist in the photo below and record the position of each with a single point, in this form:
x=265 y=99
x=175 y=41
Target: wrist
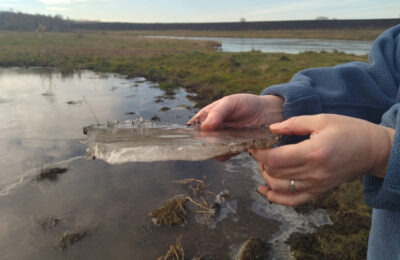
x=273 y=108
x=382 y=149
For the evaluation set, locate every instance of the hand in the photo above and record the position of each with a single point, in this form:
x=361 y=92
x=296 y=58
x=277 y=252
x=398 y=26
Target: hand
x=239 y=110
x=340 y=148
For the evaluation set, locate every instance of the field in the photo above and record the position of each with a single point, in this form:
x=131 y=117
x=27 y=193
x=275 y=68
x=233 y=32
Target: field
x=336 y=34
x=197 y=67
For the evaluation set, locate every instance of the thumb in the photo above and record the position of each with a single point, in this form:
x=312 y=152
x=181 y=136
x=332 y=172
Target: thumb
x=217 y=116
x=298 y=125
x=213 y=120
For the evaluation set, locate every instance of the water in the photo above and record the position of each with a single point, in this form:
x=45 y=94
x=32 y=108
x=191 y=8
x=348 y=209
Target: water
x=292 y=46
x=40 y=128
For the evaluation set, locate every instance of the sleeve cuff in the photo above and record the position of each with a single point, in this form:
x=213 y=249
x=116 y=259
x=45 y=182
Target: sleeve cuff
x=385 y=193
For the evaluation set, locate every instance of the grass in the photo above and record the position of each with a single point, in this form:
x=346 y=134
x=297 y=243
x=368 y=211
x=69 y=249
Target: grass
x=347 y=237
x=50 y=173
x=336 y=34
x=197 y=67
x=71 y=237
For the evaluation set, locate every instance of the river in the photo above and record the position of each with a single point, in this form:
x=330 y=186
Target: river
x=42 y=113
x=292 y=46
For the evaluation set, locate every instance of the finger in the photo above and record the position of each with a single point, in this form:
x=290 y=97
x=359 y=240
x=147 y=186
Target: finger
x=285 y=156
x=291 y=200
x=282 y=185
x=263 y=189
x=217 y=116
x=202 y=114
x=223 y=158
x=299 y=125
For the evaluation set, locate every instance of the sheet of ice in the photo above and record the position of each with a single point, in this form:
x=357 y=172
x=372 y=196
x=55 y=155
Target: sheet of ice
x=138 y=140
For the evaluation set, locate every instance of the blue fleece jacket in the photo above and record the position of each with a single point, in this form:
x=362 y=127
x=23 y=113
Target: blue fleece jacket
x=370 y=91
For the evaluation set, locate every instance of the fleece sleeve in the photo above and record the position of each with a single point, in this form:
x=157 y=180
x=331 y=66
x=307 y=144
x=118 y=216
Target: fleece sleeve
x=385 y=193
x=362 y=90
x=370 y=91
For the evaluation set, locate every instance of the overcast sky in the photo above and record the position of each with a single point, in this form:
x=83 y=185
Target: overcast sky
x=207 y=10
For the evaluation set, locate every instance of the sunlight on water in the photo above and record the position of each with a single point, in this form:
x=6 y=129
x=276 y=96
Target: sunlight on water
x=104 y=207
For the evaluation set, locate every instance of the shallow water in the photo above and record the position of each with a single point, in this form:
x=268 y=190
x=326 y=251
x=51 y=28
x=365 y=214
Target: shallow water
x=292 y=46
x=40 y=128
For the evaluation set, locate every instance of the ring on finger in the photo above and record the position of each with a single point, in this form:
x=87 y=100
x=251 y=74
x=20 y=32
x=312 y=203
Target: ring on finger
x=292 y=186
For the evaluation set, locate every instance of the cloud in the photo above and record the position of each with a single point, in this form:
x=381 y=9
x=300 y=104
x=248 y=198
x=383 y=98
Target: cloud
x=66 y=2
x=58 y=2
x=57 y=9
x=283 y=8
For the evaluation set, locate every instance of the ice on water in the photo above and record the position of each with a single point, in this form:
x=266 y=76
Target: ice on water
x=139 y=140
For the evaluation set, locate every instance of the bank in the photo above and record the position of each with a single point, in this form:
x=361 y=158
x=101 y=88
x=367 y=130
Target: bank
x=209 y=75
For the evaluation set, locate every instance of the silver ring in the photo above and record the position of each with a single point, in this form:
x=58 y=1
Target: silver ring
x=292 y=187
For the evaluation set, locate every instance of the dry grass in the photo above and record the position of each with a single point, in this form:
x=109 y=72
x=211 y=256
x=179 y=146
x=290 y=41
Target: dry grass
x=71 y=237
x=175 y=252
x=337 y=34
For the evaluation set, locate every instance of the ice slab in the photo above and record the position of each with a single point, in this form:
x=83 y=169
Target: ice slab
x=143 y=141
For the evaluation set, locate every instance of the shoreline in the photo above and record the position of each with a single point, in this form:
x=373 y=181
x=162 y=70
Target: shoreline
x=198 y=68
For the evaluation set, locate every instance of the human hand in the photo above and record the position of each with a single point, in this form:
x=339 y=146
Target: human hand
x=340 y=148
x=239 y=110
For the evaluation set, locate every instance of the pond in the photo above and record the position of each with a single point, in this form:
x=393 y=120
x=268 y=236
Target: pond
x=292 y=46
x=104 y=209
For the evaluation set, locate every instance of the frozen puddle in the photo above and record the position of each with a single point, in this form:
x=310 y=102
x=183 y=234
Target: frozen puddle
x=138 y=140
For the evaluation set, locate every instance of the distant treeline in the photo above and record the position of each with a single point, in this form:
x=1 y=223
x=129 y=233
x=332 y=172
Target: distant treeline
x=28 y=22
x=234 y=26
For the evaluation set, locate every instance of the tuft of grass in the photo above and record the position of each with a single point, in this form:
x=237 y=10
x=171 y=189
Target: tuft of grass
x=168 y=86
x=347 y=237
x=155 y=118
x=71 y=237
x=50 y=173
x=254 y=248
x=170 y=214
x=175 y=252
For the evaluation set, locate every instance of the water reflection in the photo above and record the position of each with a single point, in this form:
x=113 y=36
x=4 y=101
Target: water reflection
x=292 y=46
x=111 y=201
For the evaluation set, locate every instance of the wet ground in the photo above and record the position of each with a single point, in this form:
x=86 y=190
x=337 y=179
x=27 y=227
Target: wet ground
x=95 y=210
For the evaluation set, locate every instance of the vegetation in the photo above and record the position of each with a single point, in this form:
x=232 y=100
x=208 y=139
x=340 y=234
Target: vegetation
x=336 y=34
x=347 y=237
x=197 y=67
x=28 y=22
x=71 y=237
x=50 y=173
x=319 y=28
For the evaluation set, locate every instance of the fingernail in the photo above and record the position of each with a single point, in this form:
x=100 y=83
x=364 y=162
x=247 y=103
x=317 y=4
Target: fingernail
x=275 y=125
x=263 y=189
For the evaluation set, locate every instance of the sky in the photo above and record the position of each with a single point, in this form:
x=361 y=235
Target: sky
x=150 y=11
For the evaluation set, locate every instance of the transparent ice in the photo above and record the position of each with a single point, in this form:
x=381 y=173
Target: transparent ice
x=143 y=141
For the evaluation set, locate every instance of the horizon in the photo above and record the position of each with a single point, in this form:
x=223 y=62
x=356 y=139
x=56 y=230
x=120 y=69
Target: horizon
x=179 y=11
